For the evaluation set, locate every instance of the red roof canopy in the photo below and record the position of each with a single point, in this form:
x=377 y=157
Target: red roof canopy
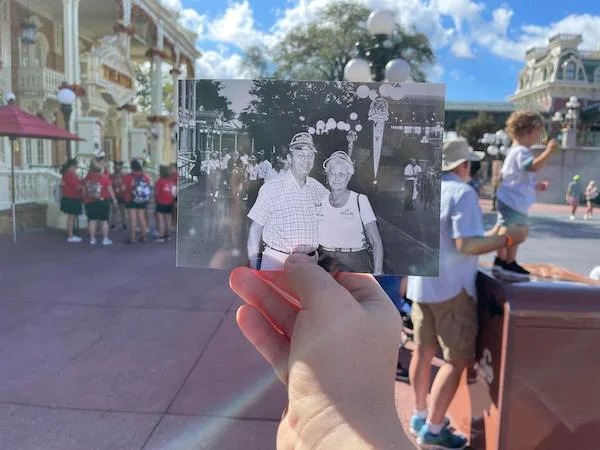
x=15 y=123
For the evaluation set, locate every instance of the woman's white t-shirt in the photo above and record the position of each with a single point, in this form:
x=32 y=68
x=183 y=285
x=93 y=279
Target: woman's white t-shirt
x=342 y=227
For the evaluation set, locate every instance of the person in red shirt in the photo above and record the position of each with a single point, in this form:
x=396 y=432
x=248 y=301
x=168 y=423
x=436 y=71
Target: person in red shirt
x=98 y=193
x=175 y=178
x=71 y=198
x=119 y=187
x=137 y=194
x=164 y=194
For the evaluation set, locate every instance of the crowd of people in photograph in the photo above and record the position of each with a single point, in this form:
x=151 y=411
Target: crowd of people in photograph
x=104 y=196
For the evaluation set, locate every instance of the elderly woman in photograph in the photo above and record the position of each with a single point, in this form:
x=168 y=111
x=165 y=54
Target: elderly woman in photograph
x=349 y=238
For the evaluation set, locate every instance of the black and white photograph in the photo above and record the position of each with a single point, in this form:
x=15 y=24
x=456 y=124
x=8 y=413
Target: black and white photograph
x=346 y=173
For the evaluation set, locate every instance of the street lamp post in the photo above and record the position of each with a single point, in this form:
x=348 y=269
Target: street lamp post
x=66 y=97
x=568 y=121
x=497 y=146
x=376 y=61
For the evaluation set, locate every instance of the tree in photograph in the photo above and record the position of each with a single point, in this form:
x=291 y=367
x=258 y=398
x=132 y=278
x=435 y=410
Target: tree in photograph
x=321 y=49
x=209 y=98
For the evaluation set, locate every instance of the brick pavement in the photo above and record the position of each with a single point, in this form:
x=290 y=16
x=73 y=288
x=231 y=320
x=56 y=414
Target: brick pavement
x=115 y=348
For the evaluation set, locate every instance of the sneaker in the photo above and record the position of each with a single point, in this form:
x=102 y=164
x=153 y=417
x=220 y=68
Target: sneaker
x=516 y=269
x=571 y=217
x=416 y=423
x=92 y=241
x=106 y=241
x=159 y=240
x=74 y=239
x=445 y=440
x=498 y=265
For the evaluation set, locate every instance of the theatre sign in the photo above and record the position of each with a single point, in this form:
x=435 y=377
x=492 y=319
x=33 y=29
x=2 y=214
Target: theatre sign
x=116 y=77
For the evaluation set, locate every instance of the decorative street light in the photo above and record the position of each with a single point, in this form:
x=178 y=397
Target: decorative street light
x=376 y=61
x=66 y=97
x=497 y=146
x=568 y=121
x=28 y=29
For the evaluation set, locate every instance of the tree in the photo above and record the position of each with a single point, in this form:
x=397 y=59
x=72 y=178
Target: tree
x=472 y=130
x=255 y=63
x=143 y=88
x=209 y=98
x=321 y=49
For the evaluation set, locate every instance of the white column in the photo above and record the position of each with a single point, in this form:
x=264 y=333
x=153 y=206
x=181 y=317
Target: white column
x=125 y=136
x=193 y=115
x=71 y=56
x=157 y=87
x=5 y=71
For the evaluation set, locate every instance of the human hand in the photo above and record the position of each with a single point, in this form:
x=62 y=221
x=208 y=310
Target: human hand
x=334 y=343
x=552 y=145
x=542 y=186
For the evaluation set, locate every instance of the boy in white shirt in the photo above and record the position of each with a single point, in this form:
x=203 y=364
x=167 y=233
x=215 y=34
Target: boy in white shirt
x=516 y=192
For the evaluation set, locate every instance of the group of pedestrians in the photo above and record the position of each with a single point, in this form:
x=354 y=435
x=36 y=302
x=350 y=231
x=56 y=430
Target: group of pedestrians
x=574 y=194
x=104 y=195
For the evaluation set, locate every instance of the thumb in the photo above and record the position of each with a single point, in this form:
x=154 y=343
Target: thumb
x=317 y=290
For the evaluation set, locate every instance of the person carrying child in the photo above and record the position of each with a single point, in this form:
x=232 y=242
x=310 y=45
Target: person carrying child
x=516 y=192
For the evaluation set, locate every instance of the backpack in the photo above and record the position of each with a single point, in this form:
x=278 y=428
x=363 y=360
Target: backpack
x=141 y=190
x=93 y=189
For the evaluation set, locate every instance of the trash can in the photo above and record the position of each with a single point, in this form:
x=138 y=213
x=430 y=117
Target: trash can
x=537 y=363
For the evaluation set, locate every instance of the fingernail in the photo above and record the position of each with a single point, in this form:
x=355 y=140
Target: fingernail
x=297 y=258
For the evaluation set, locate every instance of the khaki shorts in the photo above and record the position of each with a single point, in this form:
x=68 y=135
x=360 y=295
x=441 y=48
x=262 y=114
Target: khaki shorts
x=452 y=324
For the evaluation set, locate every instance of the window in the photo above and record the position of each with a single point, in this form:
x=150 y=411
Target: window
x=570 y=69
x=41 y=157
x=597 y=75
x=28 y=154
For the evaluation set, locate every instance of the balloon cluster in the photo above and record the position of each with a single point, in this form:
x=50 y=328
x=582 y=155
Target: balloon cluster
x=384 y=90
x=324 y=127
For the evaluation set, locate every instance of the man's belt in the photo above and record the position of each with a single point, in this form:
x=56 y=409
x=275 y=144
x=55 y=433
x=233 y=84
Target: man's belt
x=343 y=250
x=313 y=253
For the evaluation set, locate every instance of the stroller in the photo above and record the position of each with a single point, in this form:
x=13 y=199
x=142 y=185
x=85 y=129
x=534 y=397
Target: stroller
x=392 y=285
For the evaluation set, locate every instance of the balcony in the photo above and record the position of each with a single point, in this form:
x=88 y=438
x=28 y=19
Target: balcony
x=37 y=81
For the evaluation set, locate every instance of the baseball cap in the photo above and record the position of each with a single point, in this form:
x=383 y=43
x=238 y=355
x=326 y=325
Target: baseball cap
x=99 y=153
x=457 y=151
x=576 y=177
x=340 y=154
x=302 y=141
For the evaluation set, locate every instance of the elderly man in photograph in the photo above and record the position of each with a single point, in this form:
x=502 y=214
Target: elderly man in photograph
x=285 y=215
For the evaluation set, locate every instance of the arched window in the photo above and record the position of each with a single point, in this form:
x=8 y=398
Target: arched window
x=570 y=70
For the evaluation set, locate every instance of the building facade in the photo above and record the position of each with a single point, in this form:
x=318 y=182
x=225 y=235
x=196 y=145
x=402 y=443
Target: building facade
x=557 y=72
x=93 y=48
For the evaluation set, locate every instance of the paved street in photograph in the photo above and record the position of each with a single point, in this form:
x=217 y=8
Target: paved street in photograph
x=116 y=348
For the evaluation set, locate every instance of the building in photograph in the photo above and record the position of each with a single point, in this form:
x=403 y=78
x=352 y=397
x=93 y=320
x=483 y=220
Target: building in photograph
x=92 y=48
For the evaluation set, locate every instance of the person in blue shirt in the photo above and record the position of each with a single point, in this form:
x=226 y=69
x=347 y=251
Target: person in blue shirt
x=444 y=311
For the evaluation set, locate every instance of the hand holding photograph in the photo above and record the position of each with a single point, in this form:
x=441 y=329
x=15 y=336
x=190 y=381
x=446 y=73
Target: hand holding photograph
x=347 y=173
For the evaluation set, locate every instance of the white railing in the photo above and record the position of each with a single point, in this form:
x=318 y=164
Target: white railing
x=31 y=186
x=38 y=79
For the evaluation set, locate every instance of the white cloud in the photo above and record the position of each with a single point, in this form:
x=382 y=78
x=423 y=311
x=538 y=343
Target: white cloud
x=461 y=47
x=463 y=27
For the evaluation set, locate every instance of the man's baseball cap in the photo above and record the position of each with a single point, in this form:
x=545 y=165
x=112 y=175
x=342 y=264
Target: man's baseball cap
x=457 y=151
x=99 y=153
x=302 y=141
x=576 y=177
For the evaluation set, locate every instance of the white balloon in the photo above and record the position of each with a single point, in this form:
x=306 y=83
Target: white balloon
x=341 y=125
x=396 y=93
x=372 y=94
x=311 y=130
x=347 y=127
x=385 y=89
x=492 y=150
x=353 y=116
x=358 y=127
x=397 y=70
x=301 y=118
x=320 y=125
x=363 y=91
x=331 y=124
x=357 y=70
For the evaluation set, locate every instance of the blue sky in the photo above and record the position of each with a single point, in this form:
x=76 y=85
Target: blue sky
x=479 y=46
